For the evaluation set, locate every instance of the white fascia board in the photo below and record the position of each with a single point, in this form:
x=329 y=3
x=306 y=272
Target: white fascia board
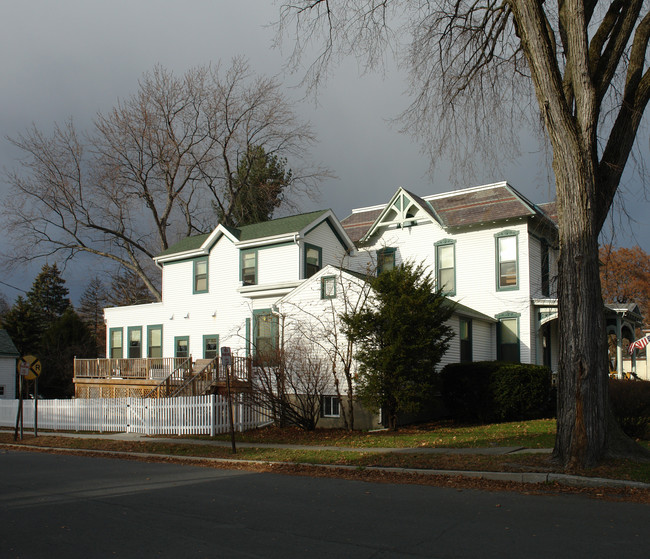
x=263 y=241
x=465 y=190
x=267 y=290
x=545 y=302
x=127 y=308
x=203 y=250
x=214 y=237
x=179 y=256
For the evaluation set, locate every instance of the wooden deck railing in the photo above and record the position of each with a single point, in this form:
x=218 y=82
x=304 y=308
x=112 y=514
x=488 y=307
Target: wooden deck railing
x=150 y=368
x=212 y=374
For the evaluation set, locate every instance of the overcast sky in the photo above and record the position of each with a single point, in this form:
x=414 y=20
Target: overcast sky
x=73 y=58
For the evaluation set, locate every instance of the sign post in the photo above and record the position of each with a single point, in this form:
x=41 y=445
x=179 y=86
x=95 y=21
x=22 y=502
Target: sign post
x=226 y=361
x=28 y=368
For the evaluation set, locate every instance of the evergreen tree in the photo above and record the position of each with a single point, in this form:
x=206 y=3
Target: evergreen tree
x=22 y=326
x=48 y=297
x=257 y=188
x=91 y=311
x=66 y=338
x=4 y=306
x=402 y=335
x=30 y=323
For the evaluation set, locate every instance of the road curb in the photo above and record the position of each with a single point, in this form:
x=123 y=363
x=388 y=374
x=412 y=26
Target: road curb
x=516 y=477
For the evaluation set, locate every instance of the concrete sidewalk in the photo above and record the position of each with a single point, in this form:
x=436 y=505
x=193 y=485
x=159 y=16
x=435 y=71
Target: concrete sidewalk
x=518 y=477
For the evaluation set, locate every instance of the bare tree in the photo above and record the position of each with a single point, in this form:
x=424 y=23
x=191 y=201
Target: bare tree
x=321 y=326
x=289 y=383
x=475 y=68
x=156 y=168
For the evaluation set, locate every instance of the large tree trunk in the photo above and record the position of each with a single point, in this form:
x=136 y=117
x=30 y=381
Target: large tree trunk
x=582 y=424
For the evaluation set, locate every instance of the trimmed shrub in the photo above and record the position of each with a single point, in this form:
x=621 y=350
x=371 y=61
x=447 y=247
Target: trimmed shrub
x=630 y=401
x=490 y=391
x=522 y=392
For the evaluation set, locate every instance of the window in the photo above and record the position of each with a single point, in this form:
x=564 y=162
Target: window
x=201 y=275
x=385 y=260
x=313 y=257
x=465 y=340
x=545 y=269
x=115 y=343
x=508 y=337
x=330 y=406
x=154 y=341
x=265 y=336
x=210 y=347
x=446 y=266
x=135 y=342
x=182 y=347
x=328 y=287
x=506 y=246
x=2 y=390
x=249 y=267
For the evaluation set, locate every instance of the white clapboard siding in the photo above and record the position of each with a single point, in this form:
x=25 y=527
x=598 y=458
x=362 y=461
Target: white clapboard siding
x=8 y=377
x=332 y=251
x=277 y=264
x=196 y=415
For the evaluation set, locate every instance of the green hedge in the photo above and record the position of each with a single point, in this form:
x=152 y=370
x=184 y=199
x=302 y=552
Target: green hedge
x=631 y=406
x=489 y=391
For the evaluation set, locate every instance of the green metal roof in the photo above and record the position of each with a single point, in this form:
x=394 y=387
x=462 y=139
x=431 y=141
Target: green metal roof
x=7 y=347
x=188 y=243
x=280 y=226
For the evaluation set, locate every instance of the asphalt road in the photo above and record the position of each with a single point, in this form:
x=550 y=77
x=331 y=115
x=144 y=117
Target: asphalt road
x=69 y=506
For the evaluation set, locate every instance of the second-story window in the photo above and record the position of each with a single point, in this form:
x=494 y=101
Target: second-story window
x=249 y=268
x=445 y=266
x=313 y=257
x=506 y=247
x=385 y=260
x=201 y=275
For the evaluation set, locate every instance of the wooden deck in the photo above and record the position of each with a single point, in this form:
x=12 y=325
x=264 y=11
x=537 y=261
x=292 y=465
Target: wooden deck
x=157 y=377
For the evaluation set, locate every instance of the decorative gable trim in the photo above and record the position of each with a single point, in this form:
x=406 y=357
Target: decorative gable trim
x=403 y=210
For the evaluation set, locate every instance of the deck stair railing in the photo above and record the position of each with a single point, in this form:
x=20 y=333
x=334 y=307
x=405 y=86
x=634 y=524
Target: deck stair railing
x=209 y=374
x=171 y=382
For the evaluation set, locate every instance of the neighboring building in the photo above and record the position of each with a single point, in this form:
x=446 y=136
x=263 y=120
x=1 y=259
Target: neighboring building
x=493 y=251
x=8 y=356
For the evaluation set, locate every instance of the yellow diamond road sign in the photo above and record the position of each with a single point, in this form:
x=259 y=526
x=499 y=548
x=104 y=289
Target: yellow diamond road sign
x=29 y=367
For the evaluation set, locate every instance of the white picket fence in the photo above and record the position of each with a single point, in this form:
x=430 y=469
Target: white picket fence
x=192 y=415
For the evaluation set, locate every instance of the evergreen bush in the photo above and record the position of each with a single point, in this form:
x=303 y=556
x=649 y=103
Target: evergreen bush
x=631 y=406
x=488 y=391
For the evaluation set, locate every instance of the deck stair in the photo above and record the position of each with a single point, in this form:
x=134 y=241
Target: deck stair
x=208 y=376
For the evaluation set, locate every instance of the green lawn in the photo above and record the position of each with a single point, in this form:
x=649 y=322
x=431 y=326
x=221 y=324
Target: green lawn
x=530 y=434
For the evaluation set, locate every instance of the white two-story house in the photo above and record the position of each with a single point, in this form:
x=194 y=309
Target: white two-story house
x=489 y=248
